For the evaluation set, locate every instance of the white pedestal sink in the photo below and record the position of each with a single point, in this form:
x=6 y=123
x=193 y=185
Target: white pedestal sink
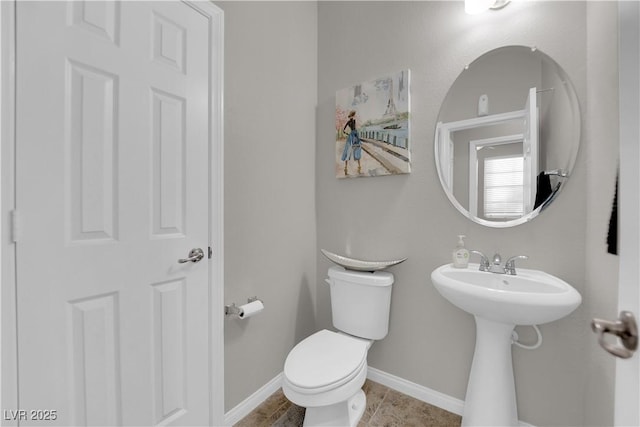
x=499 y=302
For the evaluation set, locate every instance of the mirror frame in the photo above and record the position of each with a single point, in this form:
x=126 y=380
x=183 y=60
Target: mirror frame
x=576 y=139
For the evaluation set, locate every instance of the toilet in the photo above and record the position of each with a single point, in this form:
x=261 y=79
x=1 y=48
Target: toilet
x=325 y=372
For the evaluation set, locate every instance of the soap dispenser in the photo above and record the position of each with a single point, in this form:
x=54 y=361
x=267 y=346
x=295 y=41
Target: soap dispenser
x=460 y=254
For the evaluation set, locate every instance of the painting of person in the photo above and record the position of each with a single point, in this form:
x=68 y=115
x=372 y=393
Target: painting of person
x=352 y=146
x=372 y=128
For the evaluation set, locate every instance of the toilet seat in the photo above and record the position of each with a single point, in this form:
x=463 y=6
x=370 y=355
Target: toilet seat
x=324 y=361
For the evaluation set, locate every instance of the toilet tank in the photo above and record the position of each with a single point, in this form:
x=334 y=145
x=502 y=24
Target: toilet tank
x=360 y=301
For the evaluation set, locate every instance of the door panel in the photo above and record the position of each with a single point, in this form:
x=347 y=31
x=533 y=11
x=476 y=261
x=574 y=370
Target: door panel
x=168 y=124
x=627 y=393
x=112 y=173
x=95 y=360
x=91 y=154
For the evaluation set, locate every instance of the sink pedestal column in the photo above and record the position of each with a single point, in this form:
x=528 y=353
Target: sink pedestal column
x=491 y=392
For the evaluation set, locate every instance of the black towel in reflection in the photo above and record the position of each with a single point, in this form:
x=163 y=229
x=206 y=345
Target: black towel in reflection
x=543 y=189
x=612 y=236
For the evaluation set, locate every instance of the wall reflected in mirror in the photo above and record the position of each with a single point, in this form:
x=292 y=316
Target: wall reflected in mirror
x=507 y=136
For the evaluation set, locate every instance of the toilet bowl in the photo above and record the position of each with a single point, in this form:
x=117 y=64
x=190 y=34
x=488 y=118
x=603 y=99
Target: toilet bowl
x=325 y=371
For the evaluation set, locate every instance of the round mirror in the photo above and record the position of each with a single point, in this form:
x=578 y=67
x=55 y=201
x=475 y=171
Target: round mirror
x=507 y=136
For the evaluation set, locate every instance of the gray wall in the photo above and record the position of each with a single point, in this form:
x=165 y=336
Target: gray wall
x=270 y=240
x=504 y=77
x=283 y=64
x=431 y=342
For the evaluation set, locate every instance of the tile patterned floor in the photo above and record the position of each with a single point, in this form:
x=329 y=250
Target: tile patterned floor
x=385 y=408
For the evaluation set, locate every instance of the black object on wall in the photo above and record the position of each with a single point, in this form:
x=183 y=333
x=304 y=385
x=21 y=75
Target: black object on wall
x=612 y=236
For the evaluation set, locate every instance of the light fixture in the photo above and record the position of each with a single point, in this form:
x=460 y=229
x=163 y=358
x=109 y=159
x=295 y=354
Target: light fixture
x=473 y=7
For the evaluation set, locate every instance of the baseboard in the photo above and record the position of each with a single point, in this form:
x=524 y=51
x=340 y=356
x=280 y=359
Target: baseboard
x=416 y=391
x=245 y=407
x=420 y=392
x=409 y=388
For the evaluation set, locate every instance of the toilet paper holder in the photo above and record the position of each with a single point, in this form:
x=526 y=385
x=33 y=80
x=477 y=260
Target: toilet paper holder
x=233 y=310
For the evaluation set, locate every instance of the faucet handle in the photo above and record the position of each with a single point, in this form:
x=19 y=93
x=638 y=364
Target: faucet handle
x=484 y=261
x=510 y=265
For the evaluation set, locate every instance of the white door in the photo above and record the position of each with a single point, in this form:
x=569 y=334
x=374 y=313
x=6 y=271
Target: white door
x=627 y=397
x=112 y=189
x=530 y=150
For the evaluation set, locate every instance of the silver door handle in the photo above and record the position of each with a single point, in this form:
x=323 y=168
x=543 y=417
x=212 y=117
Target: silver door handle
x=625 y=328
x=194 y=256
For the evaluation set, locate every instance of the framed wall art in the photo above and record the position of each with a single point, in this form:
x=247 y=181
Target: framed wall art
x=372 y=128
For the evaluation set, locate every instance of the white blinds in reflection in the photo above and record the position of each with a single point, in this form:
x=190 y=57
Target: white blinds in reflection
x=503 y=187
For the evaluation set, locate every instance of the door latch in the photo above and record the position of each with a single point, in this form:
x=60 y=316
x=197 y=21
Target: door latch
x=624 y=328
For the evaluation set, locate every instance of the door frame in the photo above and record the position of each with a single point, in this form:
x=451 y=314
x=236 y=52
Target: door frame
x=8 y=321
x=474 y=146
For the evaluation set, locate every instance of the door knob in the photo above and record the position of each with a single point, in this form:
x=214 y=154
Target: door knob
x=625 y=328
x=194 y=256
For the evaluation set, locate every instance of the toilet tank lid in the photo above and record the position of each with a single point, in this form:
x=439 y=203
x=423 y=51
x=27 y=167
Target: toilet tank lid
x=376 y=278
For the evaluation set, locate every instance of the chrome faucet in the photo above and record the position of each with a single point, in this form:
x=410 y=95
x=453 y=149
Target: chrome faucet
x=495 y=265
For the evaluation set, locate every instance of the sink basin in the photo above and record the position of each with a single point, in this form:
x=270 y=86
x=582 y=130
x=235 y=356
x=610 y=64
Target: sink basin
x=532 y=297
x=498 y=303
